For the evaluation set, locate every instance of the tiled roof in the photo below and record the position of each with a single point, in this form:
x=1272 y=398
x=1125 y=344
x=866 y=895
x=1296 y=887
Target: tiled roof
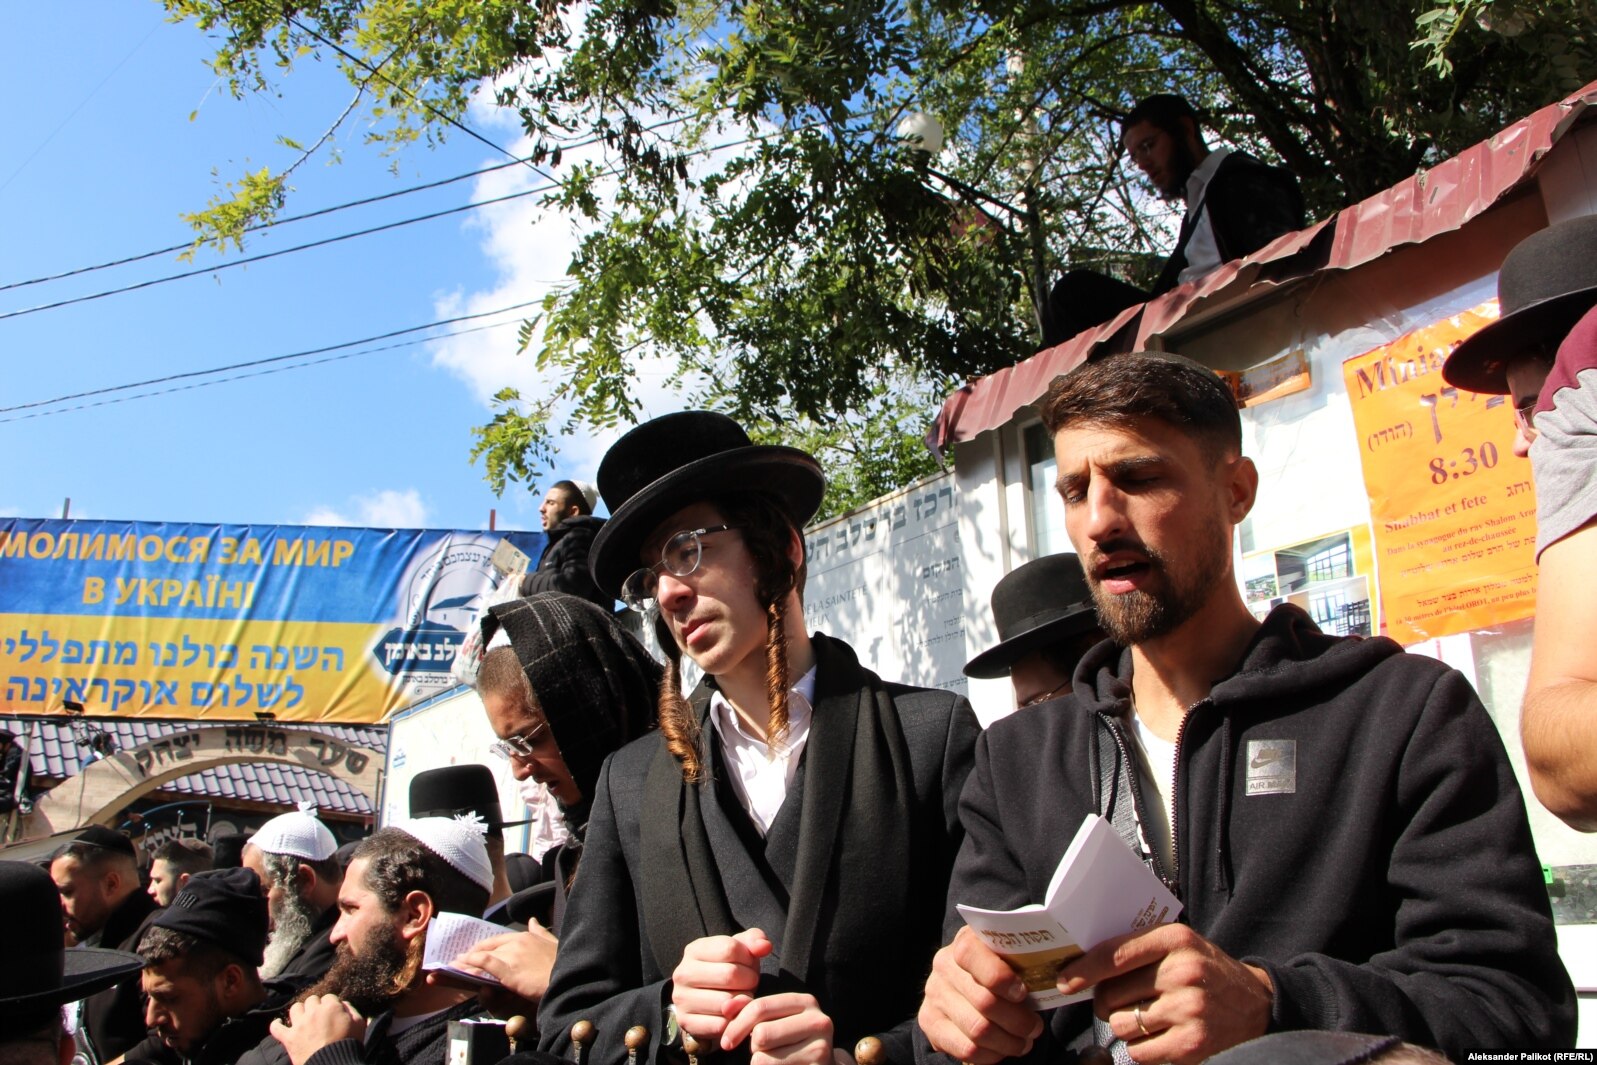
x=56 y=753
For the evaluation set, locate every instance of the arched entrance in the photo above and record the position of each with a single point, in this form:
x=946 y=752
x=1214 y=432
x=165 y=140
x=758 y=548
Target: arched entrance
x=104 y=788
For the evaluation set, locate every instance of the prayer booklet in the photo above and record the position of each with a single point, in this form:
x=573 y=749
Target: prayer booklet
x=449 y=935
x=1101 y=890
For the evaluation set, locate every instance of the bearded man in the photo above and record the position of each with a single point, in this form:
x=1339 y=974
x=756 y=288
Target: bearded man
x=1338 y=818
x=374 y=1005
x=295 y=857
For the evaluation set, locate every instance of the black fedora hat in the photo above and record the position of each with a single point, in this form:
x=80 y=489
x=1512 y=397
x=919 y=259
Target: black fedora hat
x=1543 y=287
x=458 y=789
x=673 y=461
x=1037 y=604
x=40 y=974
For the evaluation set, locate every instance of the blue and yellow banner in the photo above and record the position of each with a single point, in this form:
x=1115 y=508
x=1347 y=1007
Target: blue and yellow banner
x=228 y=621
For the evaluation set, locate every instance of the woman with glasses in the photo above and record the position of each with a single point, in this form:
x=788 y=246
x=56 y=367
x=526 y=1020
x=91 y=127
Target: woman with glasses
x=768 y=873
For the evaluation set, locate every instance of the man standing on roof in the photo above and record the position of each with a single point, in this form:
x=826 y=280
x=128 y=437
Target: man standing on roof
x=97 y=875
x=568 y=522
x=295 y=857
x=1235 y=205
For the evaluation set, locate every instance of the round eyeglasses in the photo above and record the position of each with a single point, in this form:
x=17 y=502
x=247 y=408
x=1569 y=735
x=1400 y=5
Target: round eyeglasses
x=680 y=556
x=523 y=746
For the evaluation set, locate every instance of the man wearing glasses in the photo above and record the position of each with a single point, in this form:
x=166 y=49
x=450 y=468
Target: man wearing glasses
x=1235 y=205
x=769 y=867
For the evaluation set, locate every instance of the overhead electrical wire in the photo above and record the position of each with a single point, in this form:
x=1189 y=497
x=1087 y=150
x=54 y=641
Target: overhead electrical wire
x=272 y=359
x=257 y=373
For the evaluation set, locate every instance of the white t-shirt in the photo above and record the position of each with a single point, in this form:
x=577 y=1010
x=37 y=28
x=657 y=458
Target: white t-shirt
x=761 y=775
x=1203 y=253
x=1158 y=802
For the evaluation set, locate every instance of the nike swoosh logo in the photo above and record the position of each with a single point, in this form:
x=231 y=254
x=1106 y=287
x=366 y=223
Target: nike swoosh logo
x=1264 y=758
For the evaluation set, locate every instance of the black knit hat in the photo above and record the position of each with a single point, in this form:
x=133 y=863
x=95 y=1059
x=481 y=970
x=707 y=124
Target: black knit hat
x=1043 y=602
x=1544 y=287
x=595 y=683
x=458 y=789
x=680 y=459
x=225 y=907
x=39 y=974
x=107 y=839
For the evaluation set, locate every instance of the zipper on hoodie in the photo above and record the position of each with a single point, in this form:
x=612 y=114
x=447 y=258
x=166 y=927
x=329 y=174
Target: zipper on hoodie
x=1117 y=731
x=1179 y=795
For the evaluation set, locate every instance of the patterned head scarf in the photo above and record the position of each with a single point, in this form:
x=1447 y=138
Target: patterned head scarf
x=596 y=684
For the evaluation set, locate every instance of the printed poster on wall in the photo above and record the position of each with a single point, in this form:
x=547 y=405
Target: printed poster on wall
x=231 y=621
x=1452 y=507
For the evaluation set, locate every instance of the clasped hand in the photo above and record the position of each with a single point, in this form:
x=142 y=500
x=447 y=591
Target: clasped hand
x=713 y=993
x=317 y=1022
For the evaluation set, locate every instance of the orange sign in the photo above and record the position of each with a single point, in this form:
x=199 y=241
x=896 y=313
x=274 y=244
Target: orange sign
x=1452 y=507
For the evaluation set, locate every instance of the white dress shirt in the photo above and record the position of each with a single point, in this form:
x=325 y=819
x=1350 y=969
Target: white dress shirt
x=1203 y=254
x=761 y=775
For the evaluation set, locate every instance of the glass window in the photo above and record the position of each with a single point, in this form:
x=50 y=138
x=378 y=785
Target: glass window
x=1047 y=513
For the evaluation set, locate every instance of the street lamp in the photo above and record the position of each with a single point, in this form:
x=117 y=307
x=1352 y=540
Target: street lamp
x=924 y=133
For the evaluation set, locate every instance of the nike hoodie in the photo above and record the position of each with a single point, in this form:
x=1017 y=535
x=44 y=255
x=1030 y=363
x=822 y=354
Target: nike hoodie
x=1345 y=818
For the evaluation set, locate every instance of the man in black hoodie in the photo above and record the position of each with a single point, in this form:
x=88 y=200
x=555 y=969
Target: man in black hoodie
x=1338 y=818
x=104 y=906
x=568 y=522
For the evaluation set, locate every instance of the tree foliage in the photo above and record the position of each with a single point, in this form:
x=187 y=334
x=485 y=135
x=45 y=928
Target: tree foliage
x=755 y=218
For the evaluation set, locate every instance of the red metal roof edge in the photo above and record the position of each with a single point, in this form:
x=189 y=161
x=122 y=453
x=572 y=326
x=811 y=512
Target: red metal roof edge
x=1427 y=205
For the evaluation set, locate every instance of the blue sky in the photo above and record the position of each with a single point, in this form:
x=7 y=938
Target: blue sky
x=101 y=157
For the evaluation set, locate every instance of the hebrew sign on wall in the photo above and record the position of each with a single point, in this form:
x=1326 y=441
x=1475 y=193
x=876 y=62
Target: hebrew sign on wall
x=227 y=621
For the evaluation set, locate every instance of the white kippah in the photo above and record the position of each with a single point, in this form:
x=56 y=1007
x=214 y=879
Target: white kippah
x=590 y=492
x=458 y=841
x=300 y=833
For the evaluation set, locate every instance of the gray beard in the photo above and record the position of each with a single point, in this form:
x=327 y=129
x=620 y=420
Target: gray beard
x=293 y=922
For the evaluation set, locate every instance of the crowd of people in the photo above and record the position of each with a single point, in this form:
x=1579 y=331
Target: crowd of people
x=764 y=868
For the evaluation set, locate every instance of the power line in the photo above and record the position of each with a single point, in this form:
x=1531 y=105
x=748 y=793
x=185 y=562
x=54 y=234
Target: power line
x=273 y=254
x=286 y=220
x=271 y=359
x=256 y=373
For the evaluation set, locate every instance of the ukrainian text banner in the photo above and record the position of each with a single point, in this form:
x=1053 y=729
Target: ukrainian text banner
x=1452 y=508
x=227 y=621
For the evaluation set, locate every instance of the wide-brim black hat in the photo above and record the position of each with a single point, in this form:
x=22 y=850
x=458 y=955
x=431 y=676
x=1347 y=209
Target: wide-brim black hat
x=676 y=460
x=40 y=974
x=1043 y=602
x=458 y=789
x=1543 y=287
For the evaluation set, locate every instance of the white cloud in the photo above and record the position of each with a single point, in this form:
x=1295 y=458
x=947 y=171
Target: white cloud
x=387 y=508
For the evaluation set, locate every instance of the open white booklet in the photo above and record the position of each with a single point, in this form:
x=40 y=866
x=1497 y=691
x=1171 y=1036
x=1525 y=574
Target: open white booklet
x=449 y=935
x=1100 y=890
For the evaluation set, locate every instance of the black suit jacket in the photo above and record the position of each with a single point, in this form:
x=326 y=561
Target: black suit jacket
x=1250 y=203
x=114 y=1019
x=855 y=933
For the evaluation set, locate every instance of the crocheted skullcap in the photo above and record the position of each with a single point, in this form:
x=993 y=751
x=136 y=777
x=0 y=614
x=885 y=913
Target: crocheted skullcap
x=457 y=840
x=300 y=833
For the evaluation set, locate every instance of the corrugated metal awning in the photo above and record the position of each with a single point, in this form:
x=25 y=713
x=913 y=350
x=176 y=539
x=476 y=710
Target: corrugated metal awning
x=1433 y=202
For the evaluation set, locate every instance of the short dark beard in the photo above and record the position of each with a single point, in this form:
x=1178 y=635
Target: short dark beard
x=1140 y=616
x=1183 y=161
x=293 y=920
x=373 y=979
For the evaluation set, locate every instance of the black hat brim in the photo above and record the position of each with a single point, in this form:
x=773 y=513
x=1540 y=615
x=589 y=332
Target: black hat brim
x=997 y=660
x=790 y=476
x=85 y=971
x=1480 y=362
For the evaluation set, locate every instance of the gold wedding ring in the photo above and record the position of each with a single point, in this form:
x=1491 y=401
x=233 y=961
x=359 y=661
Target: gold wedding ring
x=1137 y=1015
